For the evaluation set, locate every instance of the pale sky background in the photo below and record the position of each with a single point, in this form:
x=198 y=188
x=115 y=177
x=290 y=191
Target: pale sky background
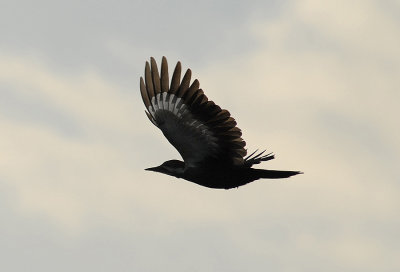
x=315 y=82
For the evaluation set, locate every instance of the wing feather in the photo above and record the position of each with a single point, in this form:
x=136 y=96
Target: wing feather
x=155 y=76
x=189 y=95
x=164 y=75
x=176 y=78
x=144 y=94
x=149 y=81
x=185 y=83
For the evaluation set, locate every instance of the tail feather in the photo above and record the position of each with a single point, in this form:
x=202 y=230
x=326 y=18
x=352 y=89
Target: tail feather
x=258 y=158
x=273 y=174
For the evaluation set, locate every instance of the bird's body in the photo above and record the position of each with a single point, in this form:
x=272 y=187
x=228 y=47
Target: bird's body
x=219 y=177
x=205 y=135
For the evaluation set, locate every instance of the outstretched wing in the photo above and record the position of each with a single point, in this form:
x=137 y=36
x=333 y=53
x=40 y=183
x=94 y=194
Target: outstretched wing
x=199 y=129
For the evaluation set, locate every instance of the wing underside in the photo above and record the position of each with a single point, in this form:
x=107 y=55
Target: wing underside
x=198 y=128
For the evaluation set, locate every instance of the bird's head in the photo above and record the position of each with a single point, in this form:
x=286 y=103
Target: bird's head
x=173 y=168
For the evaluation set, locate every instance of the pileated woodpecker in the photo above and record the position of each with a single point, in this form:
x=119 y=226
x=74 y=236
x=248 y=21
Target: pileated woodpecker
x=205 y=135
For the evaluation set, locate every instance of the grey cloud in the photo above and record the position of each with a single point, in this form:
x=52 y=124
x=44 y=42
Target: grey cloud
x=75 y=34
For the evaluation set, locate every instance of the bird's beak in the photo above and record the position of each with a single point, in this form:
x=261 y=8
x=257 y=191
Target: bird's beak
x=152 y=169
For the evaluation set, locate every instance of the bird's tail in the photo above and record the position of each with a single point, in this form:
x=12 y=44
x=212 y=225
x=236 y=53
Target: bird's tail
x=273 y=174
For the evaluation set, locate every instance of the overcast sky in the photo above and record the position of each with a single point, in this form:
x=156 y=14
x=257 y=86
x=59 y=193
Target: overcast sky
x=315 y=82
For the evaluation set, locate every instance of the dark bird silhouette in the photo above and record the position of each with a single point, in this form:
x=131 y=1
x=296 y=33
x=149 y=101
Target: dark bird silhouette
x=205 y=135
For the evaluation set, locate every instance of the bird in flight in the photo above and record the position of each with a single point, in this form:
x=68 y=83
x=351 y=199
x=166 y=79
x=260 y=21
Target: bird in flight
x=205 y=135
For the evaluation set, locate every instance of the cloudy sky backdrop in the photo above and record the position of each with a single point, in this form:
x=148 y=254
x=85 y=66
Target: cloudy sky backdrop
x=316 y=82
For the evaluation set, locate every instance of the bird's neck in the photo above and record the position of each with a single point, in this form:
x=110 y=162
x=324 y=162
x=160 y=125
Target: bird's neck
x=177 y=172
